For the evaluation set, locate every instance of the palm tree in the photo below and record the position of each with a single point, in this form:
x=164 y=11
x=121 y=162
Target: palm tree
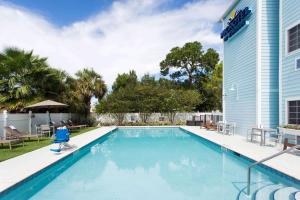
x=89 y=84
x=19 y=75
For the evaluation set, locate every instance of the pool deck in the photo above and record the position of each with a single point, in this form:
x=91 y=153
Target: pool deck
x=19 y=168
x=16 y=169
x=288 y=163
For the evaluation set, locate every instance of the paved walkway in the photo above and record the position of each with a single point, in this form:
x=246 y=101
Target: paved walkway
x=16 y=169
x=286 y=163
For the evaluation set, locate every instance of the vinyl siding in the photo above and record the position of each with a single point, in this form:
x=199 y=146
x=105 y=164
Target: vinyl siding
x=290 y=77
x=240 y=69
x=269 y=63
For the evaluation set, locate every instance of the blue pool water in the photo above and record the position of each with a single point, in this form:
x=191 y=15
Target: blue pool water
x=148 y=164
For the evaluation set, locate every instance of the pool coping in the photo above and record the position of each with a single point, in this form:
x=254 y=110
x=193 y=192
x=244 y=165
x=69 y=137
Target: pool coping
x=43 y=158
x=87 y=138
x=276 y=165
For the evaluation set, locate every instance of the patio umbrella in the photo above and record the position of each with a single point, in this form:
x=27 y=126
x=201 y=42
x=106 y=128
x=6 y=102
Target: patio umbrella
x=47 y=104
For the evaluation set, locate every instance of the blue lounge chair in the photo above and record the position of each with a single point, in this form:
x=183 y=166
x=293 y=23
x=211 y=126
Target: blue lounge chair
x=62 y=136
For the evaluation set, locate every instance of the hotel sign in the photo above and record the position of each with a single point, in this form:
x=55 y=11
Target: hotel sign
x=236 y=22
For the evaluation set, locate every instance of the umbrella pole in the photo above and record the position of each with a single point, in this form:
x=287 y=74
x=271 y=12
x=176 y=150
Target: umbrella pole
x=49 y=119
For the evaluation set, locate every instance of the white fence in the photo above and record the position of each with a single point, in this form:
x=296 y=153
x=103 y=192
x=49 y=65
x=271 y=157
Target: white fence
x=25 y=123
x=156 y=117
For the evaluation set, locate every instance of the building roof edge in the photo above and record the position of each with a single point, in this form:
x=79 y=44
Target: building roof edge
x=230 y=7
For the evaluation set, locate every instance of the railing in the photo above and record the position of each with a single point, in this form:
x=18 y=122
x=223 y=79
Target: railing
x=265 y=159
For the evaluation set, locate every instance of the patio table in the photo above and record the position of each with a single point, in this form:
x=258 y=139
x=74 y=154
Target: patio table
x=263 y=132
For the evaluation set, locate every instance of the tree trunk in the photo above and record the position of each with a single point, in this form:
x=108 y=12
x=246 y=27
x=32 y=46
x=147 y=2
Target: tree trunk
x=190 y=80
x=87 y=101
x=119 y=117
x=171 y=116
x=145 y=117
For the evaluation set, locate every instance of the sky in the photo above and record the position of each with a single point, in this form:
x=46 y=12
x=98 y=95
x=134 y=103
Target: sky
x=109 y=36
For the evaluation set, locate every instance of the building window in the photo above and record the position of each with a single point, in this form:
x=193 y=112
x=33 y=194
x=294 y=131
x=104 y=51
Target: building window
x=297 y=64
x=294 y=38
x=294 y=112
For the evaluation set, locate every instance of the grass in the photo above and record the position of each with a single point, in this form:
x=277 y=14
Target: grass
x=31 y=145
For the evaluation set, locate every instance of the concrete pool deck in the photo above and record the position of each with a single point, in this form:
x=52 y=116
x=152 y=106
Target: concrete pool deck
x=288 y=163
x=14 y=170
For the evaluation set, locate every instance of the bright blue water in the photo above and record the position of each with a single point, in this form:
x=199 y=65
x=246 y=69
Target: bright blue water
x=148 y=164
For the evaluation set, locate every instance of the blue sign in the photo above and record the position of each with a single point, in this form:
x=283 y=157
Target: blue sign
x=236 y=22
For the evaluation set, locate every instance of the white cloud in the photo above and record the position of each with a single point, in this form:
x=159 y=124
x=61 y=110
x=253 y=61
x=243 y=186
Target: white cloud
x=129 y=35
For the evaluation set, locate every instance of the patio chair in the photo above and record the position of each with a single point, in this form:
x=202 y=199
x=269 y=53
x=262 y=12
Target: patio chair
x=62 y=136
x=287 y=143
x=253 y=134
x=210 y=126
x=44 y=129
x=276 y=137
x=15 y=133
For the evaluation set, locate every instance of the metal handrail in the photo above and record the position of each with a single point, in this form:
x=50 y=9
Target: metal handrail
x=265 y=159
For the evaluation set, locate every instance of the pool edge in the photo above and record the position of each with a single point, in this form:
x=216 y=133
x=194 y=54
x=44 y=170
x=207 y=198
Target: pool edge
x=10 y=187
x=263 y=165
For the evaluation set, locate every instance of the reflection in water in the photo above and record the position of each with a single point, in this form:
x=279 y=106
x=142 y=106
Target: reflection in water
x=157 y=163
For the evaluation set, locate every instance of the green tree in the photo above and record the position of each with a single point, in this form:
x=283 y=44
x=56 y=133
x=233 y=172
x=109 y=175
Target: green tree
x=189 y=62
x=89 y=84
x=213 y=88
x=125 y=80
x=147 y=100
x=70 y=96
x=174 y=101
x=26 y=78
x=116 y=104
x=147 y=79
x=148 y=96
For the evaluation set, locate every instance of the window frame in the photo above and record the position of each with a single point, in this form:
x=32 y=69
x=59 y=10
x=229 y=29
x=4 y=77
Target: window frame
x=287 y=109
x=287 y=53
x=296 y=62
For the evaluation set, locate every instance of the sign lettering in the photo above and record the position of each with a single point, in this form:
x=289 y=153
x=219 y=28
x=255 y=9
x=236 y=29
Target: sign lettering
x=236 y=23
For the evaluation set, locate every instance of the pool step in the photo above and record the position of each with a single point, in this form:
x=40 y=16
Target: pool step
x=297 y=195
x=287 y=193
x=265 y=192
x=271 y=192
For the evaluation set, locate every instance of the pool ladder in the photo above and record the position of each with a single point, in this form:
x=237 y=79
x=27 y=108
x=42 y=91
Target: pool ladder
x=265 y=159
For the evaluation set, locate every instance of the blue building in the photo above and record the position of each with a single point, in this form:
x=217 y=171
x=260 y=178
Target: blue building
x=261 y=71
x=289 y=62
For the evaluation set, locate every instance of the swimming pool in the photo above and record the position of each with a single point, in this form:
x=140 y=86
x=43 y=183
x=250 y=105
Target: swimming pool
x=152 y=163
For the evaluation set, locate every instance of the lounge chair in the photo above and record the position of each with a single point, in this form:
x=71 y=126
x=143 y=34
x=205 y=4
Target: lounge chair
x=10 y=141
x=69 y=124
x=15 y=133
x=62 y=136
x=79 y=125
